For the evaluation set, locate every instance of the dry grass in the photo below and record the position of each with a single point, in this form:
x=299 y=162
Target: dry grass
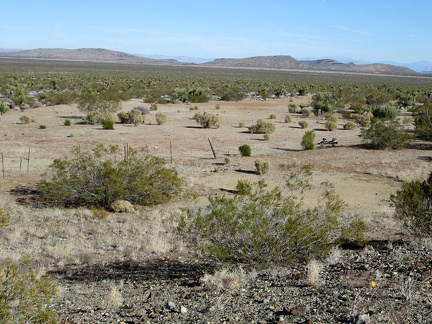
x=226 y=279
x=314 y=270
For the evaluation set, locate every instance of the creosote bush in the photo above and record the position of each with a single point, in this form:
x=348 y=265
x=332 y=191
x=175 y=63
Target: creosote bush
x=287 y=119
x=245 y=150
x=67 y=122
x=385 y=134
x=207 y=120
x=303 y=124
x=261 y=166
x=161 y=118
x=330 y=126
x=349 y=126
x=262 y=127
x=244 y=187
x=308 y=140
x=413 y=206
x=26 y=119
x=4 y=218
x=96 y=116
x=262 y=226
x=102 y=176
x=107 y=124
x=134 y=116
x=23 y=295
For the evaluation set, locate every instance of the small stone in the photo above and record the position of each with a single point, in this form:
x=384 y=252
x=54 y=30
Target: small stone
x=183 y=310
x=171 y=305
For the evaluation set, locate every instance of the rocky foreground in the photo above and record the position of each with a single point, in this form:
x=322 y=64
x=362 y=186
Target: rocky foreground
x=383 y=283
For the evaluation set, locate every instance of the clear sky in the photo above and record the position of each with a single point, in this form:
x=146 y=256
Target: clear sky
x=371 y=30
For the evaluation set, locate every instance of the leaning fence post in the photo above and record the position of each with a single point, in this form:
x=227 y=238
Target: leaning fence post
x=211 y=146
x=3 y=170
x=28 y=160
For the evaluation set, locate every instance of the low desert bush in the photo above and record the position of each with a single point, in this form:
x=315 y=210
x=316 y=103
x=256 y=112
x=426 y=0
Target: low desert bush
x=144 y=110
x=305 y=112
x=292 y=108
x=347 y=114
x=207 y=120
x=261 y=166
x=266 y=137
x=161 y=118
x=153 y=107
x=26 y=119
x=96 y=116
x=244 y=187
x=245 y=150
x=241 y=124
x=385 y=112
x=385 y=134
x=413 y=206
x=364 y=119
x=308 y=140
x=287 y=119
x=264 y=226
x=355 y=232
x=23 y=295
x=133 y=116
x=349 y=126
x=67 y=122
x=5 y=218
x=107 y=124
x=407 y=120
x=102 y=176
x=41 y=126
x=272 y=116
x=330 y=125
x=225 y=279
x=303 y=124
x=262 y=127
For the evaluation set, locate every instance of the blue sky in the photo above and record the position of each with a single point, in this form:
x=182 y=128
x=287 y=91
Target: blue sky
x=371 y=30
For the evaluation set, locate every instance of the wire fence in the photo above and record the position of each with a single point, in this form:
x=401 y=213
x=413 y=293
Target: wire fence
x=15 y=164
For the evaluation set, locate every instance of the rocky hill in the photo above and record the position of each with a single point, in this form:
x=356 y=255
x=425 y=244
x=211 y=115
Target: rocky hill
x=286 y=62
x=86 y=54
x=279 y=62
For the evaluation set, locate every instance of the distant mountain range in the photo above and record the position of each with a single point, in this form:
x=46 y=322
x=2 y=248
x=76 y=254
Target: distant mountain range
x=281 y=62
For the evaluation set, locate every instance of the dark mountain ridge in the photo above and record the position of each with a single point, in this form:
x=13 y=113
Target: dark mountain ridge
x=278 y=62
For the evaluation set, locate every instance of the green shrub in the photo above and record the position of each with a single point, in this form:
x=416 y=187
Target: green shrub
x=4 y=218
x=245 y=150
x=330 y=126
x=305 y=111
x=287 y=119
x=26 y=119
x=272 y=116
x=308 y=140
x=262 y=127
x=244 y=187
x=67 y=122
x=241 y=124
x=266 y=137
x=96 y=116
x=355 y=232
x=227 y=161
x=161 y=118
x=384 y=112
x=303 y=124
x=207 y=120
x=107 y=124
x=263 y=226
x=413 y=206
x=330 y=117
x=346 y=114
x=3 y=109
x=364 y=119
x=217 y=106
x=23 y=295
x=349 y=126
x=42 y=126
x=292 y=109
x=134 y=116
x=423 y=121
x=153 y=107
x=261 y=166
x=384 y=134
x=100 y=177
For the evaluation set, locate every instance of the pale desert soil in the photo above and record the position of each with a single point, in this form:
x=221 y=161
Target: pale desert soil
x=364 y=178
x=70 y=243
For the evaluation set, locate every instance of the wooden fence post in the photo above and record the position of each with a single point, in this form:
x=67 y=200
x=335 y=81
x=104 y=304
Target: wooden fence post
x=211 y=146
